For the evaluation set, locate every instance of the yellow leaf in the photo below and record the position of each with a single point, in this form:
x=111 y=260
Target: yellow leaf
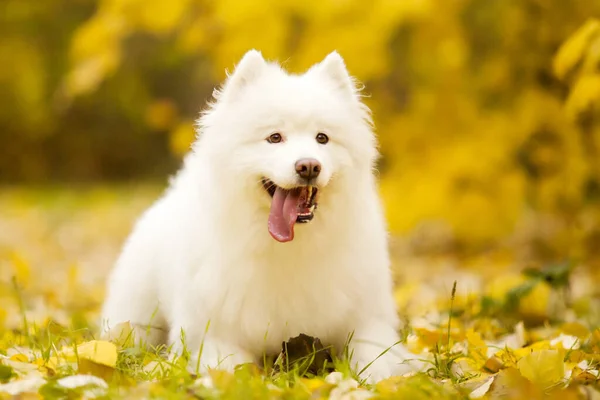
x=482 y=389
x=584 y=377
x=573 y=50
x=570 y=393
x=312 y=385
x=91 y=368
x=576 y=356
x=390 y=385
x=414 y=387
x=544 y=367
x=584 y=94
x=493 y=364
x=19 y=357
x=221 y=378
x=509 y=384
x=99 y=352
x=477 y=347
x=536 y=346
x=464 y=366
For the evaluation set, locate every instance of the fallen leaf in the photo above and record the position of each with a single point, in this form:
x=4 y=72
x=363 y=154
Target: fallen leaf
x=584 y=94
x=573 y=49
x=477 y=347
x=99 y=352
x=92 y=368
x=97 y=357
x=19 y=357
x=510 y=384
x=482 y=390
x=543 y=367
x=465 y=366
x=493 y=364
x=585 y=377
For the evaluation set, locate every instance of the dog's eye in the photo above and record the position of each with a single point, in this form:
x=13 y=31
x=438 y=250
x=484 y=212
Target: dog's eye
x=322 y=138
x=275 y=138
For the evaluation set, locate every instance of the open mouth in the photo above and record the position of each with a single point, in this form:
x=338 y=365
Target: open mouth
x=288 y=207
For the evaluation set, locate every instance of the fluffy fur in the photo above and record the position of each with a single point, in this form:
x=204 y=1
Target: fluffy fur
x=202 y=256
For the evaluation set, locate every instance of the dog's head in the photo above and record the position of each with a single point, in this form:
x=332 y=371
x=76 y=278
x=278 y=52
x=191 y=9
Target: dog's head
x=289 y=135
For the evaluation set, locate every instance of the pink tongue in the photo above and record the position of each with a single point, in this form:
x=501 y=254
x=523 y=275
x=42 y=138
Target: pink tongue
x=284 y=211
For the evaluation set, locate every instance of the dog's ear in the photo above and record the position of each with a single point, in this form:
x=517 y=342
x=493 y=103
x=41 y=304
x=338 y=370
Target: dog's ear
x=333 y=67
x=248 y=69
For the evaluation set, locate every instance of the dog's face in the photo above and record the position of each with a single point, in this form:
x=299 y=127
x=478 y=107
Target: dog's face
x=290 y=135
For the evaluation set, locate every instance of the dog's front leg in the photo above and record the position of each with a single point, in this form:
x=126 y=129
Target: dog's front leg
x=207 y=352
x=376 y=353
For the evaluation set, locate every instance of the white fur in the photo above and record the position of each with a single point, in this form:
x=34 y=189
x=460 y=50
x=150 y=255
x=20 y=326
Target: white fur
x=201 y=261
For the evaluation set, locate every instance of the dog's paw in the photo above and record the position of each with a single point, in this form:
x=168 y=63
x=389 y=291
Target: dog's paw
x=375 y=372
x=218 y=356
x=374 y=364
x=369 y=366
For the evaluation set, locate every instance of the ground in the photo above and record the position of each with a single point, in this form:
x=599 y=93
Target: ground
x=489 y=327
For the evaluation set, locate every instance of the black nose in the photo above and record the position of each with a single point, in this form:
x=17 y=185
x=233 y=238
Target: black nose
x=308 y=168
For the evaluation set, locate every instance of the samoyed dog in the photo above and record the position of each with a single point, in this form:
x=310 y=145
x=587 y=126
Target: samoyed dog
x=272 y=228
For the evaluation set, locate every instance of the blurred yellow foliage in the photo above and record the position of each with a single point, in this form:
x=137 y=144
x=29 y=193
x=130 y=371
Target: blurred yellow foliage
x=21 y=270
x=161 y=114
x=468 y=97
x=575 y=49
x=181 y=138
x=584 y=94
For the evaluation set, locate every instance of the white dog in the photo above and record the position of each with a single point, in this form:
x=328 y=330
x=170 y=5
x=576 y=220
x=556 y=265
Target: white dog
x=236 y=257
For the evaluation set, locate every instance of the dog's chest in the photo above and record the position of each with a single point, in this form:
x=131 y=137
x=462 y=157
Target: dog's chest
x=270 y=305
